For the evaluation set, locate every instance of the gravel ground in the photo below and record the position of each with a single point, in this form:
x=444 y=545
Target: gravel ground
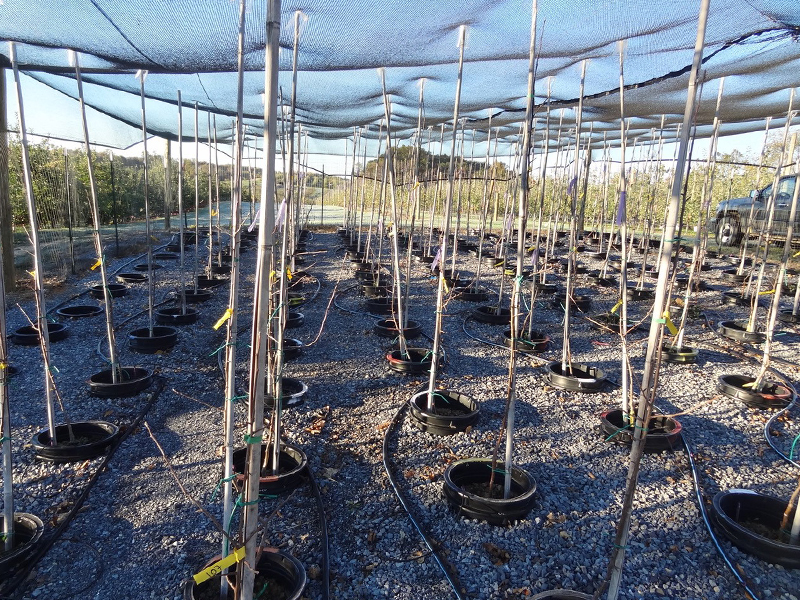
x=138 y=536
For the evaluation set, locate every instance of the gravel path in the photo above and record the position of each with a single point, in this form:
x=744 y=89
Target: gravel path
x=138 y=536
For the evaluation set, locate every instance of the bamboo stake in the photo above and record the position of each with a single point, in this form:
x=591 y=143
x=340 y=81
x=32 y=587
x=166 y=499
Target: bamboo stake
x=98 y=242
x=705 y=205
x=772 y=201
x=210 y=201
x=259 y=345
x=776 y=296
x=150 y=284
x=437 y=332
x=398 y=283
x=181 y=277
x=622 y=222
x=740 y=270
x=653 y=353
x=5 y=423
x=233 y=302
x=566 y=359
x=38 y=277
x=196 y=195
x=516 y=298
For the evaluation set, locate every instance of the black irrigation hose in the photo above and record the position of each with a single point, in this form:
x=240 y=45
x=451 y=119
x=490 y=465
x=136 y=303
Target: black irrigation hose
x=44 y=547
x=704 y=514
x=698 y=491
x=323 y=526
x=452 y=578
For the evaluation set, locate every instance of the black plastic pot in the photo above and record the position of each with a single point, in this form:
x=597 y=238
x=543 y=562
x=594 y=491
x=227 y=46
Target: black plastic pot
x=465 y=477
x=92 y=438
x=561 y=595
x=79 y=311
x=293 y=392
x=29 y=335
x=738 y=387
x=470 y=293
x=679 y=354
x=605 y=322
x=379 y=306
x=162 y=338
x=207 y=283
x=736 y=298
x=132 y=277
x=165 y=256
x=388 y=328
x=682 y=282
x=492 y=315
x=176 y=316
x=375 y=291
x=294 y=319
x=425 y=259
x=595 y=278
x=292 y=348
x=637 y=295
x=115 y=289
x=452 y=412
x=196 y=296
x=365 y=275
x=144 y=267
x=579 y=302
x=415 y=362
x=580 y=378
x=536 y=342
x=132 y=380
x=276 y=570
x=292 y=469
x=354 y=255
x=28 y=531
x=221 y=269
x=733 y=276
x=787 y=316
x=734 y=330
x=736 y=512
x=547 y=288
x=663 y=433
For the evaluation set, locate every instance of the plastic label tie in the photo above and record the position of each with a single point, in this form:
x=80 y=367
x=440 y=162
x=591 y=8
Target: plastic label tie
x=227 y=315
x=616 y=306
x=670 y=325
x=219 y=566
x=97 y=264
x=252 y=439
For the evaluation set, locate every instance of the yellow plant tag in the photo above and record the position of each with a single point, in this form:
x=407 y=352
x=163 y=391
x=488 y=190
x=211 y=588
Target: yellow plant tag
x=289 y=273
x=670 y=325
x=214 y=213
x=766 y=292
x=227 y=315
x=97 y=264
x=32 y=274
x=219 y=566
x=616 y=306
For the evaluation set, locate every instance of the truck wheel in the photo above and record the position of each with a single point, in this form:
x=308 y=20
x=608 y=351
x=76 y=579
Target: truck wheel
x=729 y=231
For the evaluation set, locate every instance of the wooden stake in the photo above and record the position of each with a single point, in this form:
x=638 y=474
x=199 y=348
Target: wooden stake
x=437 y=332
x=259 y=347
x=653 y=352
x=98 y=241
x=38 y=272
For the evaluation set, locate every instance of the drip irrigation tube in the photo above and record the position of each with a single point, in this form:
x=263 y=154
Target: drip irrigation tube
x=10 y=586
x=452 y=578
x=704 y=514
x=323 y=527
x=495 y=344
